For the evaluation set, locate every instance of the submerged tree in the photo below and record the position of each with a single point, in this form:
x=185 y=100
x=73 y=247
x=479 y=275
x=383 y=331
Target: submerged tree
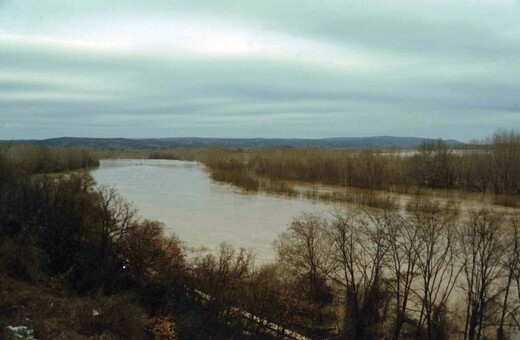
x=437 y=269
x=482 y=241
x=511 y=263
x=505 y=147
x=358 y=249
x=305 y=251
x=433 y=165
x=403 y=258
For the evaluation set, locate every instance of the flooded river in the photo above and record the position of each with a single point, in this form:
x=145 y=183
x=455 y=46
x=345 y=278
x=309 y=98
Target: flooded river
x=201 y=212
x=204 y=213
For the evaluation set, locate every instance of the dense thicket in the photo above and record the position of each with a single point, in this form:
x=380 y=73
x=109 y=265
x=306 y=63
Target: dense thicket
x=490 y=167
x=32 y=159
x=234 y=291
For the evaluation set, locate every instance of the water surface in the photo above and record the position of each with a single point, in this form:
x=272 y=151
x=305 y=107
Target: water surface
x=201 y=212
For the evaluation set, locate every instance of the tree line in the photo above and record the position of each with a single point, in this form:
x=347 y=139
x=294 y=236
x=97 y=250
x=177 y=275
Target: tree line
x=489 y=166
x=492 y=166
x=33 y=159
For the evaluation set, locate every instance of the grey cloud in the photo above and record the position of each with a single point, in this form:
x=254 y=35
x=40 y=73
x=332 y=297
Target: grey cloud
x=453 y=69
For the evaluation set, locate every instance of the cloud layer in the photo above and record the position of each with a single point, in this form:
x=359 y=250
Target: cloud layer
x=267 y=69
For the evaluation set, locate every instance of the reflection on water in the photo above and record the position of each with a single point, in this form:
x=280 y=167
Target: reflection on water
x=200 y=211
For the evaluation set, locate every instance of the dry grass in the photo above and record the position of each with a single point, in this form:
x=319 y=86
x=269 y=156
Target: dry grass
x=278 y=188
x=54 y=314
x=236 y=177
x=507 y=201
x=365 y=198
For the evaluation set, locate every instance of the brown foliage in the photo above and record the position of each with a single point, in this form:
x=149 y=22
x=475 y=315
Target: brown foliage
x=162 y=328
x=149 y=257
x=31 y=159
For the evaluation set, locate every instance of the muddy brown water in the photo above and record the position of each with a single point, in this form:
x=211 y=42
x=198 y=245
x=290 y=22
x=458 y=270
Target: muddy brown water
x=202 y=212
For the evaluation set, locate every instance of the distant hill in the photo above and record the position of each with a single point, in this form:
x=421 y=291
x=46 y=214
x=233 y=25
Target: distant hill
x=243 y=143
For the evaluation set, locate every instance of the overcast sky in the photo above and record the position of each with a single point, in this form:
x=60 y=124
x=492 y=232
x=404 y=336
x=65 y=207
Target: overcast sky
x=270 y=68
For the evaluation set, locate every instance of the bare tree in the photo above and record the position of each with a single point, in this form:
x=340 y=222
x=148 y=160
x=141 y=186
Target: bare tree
x=373 y=169
x=403 y=257
x=436 y=250
x=358 y=250
x=482 y=248
x=506 y=158
x=305 y=251
x=223 y=276
x=151 y=257
x=116 y=215
x=511 y=265
x=432 y=166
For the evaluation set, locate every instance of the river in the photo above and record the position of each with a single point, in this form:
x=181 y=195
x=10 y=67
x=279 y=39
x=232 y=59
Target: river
x=202 y=212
